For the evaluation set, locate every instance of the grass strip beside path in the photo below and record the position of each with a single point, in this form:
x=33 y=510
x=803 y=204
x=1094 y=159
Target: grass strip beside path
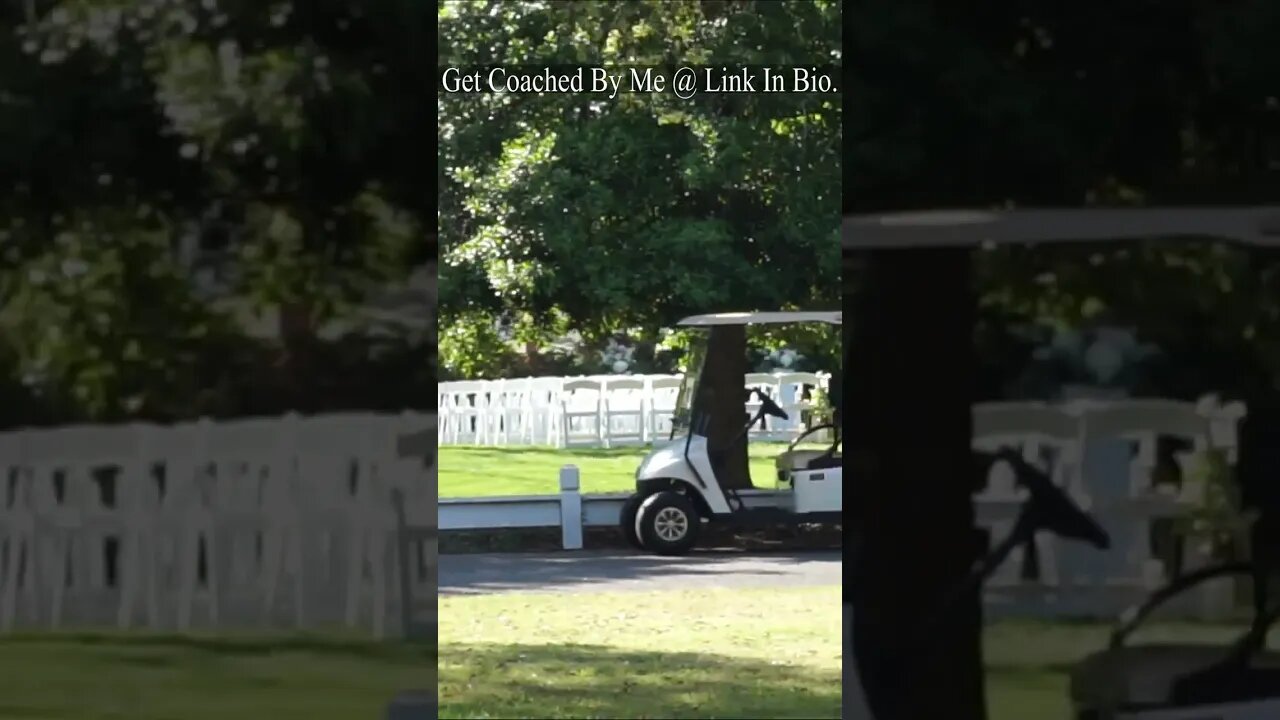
x=141 y=676
x=469 y=471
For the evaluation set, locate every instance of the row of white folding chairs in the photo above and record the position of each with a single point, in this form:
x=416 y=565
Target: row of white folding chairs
x=256 y=503
x=533 y=411
x=1121 y=492
x=598 y=411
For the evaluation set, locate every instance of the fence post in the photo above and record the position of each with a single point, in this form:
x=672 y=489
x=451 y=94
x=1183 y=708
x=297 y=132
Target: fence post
x=570 y=508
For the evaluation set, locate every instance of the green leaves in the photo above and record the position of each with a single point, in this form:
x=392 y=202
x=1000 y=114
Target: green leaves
x=286 y=136
x=635 y=211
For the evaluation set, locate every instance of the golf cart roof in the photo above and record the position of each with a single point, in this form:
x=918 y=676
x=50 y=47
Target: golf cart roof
x=760 y=318
x=1259 y=226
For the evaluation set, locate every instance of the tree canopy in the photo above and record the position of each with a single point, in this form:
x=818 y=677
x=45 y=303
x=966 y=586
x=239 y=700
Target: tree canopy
x=564 y=212
x=1040 y=103
x=171 y=167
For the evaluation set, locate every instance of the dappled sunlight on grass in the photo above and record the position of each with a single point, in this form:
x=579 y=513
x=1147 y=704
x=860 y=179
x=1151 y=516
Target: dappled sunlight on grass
x=706 y=653
x=596 y=681
x=759 y=653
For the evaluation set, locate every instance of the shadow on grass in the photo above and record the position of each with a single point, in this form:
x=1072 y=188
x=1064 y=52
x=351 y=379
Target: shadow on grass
x=591 y=681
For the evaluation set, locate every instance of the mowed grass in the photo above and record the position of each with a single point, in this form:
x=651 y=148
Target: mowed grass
x=151 y=677
x=469 y=471
x=1027 y=663
x=690 y=654
x=715 y=653
x=693 y=654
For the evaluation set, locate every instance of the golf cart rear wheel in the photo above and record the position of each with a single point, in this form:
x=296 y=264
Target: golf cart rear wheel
x=668 y=523
x=627 y=521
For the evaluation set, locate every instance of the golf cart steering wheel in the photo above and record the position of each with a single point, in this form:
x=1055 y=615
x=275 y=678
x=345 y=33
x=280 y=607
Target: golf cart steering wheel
x=829 y=452
x=1053 y=509
x=810 y=431
x=768 y=406
x=1134 y=616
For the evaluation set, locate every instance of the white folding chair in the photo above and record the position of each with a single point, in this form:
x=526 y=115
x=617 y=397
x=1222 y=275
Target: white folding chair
x=1036 y=430
x=623 y=411
x=663 y=392
x=311 y=551
x=544 y=409
x=372 y=542
x=1144 y=422
x=1120 y=481
x=75 y=515
x=253 y=470
x=444 y=414
x=468 y=412
x=416 y=478
x=581 y=413
x=166 y=510
x=792 y=389
x=513 y=410
x=1224 y=424
x=18 y=576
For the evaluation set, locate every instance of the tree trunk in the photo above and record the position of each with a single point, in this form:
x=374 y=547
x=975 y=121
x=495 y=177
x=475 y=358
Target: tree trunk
x=910 y=389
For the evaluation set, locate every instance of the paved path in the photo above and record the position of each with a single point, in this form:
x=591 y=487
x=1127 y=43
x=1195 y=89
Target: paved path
x=615 y=571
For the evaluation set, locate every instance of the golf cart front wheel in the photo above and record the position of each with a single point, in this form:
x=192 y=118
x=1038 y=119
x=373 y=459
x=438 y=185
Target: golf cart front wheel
x=627 y=521
x=668 y=523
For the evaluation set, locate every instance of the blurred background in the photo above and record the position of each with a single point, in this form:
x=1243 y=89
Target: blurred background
x=217 y=273
x=213 y=208
x=1008 y=105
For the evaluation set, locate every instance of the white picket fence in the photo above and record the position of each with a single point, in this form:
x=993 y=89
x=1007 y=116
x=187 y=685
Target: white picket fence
x=263 y=521
x=595 y=411
x=1102 y=453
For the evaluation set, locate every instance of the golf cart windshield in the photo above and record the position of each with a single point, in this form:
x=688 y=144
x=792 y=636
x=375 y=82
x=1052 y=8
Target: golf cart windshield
x=697 y=355
x=716 y=364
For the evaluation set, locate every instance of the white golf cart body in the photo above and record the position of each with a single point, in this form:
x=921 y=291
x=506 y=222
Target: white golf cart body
x=810 y=491
x=714 y=475
x=667 y=462
x=1104 y=683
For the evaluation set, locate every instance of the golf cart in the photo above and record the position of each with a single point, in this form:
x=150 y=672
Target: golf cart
x=1239 y=681
x=700 y=473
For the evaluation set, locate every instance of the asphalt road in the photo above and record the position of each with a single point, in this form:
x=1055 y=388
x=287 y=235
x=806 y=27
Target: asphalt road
x=618 y=571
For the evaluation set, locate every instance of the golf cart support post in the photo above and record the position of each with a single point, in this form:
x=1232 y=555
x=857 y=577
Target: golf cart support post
x=915 y=300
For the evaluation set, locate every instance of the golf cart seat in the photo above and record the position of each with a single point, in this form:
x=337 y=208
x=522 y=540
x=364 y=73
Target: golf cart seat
x=825 y=461
x=808 y=460
x=1144 y=677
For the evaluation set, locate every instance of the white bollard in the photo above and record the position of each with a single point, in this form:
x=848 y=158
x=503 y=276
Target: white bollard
x=570 y=508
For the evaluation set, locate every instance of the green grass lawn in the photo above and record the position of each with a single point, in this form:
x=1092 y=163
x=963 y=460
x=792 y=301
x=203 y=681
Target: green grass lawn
x=692 y=654
x=467 y=471
x=713 y=653
x=149 y=677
